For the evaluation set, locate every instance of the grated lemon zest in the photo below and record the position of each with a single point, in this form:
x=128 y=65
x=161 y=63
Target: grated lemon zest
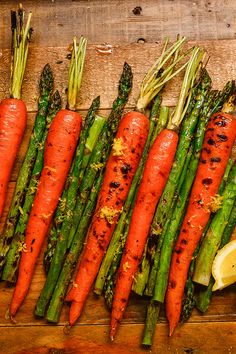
x=109 y=214
x=118 y=147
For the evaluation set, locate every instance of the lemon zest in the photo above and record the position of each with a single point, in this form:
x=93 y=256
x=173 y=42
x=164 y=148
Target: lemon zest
x=109 y=214
x=118 y=147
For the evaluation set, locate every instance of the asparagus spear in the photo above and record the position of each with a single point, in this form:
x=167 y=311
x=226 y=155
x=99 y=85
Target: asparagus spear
x=69 y=194
x=63 y=231
x=121 y=231
x=153 y=81
x=167 y=200
x=153 y=311
x=109 y=284
x=152 y=84
x=45 y=89
x=189 y=301
x=163 y=257
x=57 y=299
x=102 y=149
x=90 y=190
x=123 y=217
x=203 y=298
x=200 y=134
x=213 y=104
x=17 y=245
x=211 y=241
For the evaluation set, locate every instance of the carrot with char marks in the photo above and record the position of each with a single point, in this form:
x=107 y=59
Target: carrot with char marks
x=216 y=150
x=156 y=172
x=13 y=112
x=120 y=169
x=60 y=146
x=155 y=175
x=118 y=177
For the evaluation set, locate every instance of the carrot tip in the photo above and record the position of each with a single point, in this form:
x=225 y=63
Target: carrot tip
x=171 y=330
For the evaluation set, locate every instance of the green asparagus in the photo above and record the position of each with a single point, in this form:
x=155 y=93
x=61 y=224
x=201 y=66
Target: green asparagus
x=123 y=217
x=63 y=231
x=203 y=298
x=45 y=88
x=17 y=245
x=75 y=175
x=90 y=188
x=211 y=242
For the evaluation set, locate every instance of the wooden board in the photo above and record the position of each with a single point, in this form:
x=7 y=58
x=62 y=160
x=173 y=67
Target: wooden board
x=123 y=21
x=90 y=334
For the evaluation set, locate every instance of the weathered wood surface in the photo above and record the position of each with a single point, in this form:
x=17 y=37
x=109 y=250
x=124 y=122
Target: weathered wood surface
x=102 y=71
x=57 y=21
x=199 y=338
x=211 y=333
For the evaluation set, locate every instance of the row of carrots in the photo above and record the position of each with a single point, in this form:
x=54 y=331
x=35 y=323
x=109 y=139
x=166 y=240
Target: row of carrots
x=130 y=136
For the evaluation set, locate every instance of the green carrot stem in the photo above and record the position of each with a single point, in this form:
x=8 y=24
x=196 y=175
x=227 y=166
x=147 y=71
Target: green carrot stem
x=76 y=72
x=158 y=76
x=188 y=81
x=20 y=42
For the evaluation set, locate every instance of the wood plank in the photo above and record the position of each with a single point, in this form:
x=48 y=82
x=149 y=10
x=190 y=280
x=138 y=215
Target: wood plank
x=102 y=72
x=123 y=21
x=200 y=338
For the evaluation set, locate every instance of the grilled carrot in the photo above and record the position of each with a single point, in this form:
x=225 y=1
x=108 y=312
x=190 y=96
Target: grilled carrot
x=13 y=115
x=155 y=175
x=100 y=232
x=120 y=169
x=217 y=146
x=156 y=172
x=60 y=146
x=13 y=111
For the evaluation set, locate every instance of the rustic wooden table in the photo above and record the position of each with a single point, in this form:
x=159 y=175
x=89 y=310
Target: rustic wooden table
x=134 y=30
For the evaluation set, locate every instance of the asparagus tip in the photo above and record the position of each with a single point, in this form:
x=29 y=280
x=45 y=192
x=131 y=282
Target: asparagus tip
x=46 y=79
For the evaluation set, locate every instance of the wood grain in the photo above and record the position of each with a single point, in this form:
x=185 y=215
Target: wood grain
x=191 y=338
x=123 y=21
x=102 y=72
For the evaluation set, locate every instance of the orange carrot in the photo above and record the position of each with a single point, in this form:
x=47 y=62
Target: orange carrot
x=13 y=111
x=13 y=115
x=60 y=146
x=217 y=146
x=121 y=167
x=156 y=172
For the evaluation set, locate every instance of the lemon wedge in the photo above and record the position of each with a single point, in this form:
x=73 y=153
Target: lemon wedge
x=224 y=266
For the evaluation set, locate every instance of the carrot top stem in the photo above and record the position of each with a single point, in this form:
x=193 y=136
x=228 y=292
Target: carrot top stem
x=20 y=42
x=191 y=72
x=157 y=76
x=76 y=71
